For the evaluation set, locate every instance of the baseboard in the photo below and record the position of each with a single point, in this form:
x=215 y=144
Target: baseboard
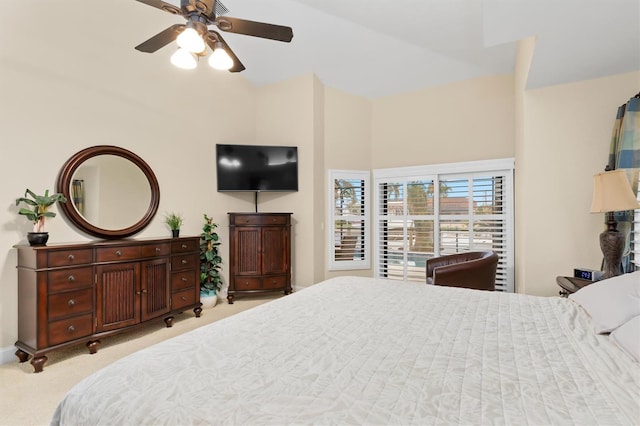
x=8 y=354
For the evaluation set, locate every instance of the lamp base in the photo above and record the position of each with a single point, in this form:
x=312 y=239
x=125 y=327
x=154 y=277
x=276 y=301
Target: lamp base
x=612 y=246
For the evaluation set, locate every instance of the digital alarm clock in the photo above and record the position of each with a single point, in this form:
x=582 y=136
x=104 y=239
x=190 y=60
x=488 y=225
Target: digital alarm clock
x=587 y=274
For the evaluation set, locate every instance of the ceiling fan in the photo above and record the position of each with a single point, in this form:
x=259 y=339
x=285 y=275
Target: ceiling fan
x=195 y=35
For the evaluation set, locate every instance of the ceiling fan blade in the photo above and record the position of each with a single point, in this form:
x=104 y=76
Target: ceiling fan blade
x=167 y=7
x=255 y=29
x=213 y=37
x=161 y=39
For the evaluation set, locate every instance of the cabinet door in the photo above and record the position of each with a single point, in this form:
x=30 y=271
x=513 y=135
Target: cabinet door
x=247 y=251
x=118 y=296
x=275 y=250
x=155 y=290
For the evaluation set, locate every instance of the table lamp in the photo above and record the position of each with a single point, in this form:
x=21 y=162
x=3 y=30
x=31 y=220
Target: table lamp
x=612 y=193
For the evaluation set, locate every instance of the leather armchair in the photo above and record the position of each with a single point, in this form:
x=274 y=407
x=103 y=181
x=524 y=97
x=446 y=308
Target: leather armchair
x=476 y=270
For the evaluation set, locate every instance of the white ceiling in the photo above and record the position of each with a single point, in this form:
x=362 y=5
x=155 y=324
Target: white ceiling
x=376 y=48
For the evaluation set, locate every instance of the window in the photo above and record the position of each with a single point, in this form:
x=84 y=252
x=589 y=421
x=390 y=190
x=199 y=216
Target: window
x=424 y=212
x=349 y=220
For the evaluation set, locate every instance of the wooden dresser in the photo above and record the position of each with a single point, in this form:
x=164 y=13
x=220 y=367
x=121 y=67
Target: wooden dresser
x=75 y=293
x=259 y=253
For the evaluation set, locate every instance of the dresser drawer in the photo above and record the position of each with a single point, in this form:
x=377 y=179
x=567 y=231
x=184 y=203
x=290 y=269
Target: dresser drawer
x=70 y=279
x=186 y=261
x=70 y=329
x=260 y=219
x=242 y=283
x=155 y=250
x=70 y=303
x=69 y=257
x=185 y=245
x=274 y=282
x=183 y=298
x=109 y=254
x=181 y=280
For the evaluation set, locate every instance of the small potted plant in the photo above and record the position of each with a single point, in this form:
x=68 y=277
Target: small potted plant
x=174 y=221
x=210 y=264
x=37 y=212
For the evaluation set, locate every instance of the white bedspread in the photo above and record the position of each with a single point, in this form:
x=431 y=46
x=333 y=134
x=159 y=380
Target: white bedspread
x=365 y=351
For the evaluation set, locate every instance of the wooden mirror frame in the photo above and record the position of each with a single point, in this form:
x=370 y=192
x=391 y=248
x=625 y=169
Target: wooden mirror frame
x=63 y=186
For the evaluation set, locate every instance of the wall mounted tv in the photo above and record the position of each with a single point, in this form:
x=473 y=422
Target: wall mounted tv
x=257 y=168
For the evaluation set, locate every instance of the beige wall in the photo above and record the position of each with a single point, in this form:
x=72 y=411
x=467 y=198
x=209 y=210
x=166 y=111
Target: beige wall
x=567 y=130
x=348 y=134
x=465 y=121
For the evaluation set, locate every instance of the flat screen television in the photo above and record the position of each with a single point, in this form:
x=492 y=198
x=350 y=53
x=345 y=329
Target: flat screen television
x=257 y=168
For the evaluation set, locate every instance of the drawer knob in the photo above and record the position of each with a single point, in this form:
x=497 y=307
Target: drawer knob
x=71 y=278
x=184 y=280
x=71 y=257
x=144 y=291
x=118 y=253
x=157 y=249
x=184 y=261
x=71 y=302
x=71 y=329
x=184 y=246
x=246 y=283
x=183 y=298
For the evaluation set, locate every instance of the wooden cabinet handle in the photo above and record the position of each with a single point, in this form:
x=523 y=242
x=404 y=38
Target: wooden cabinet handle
x=145 y=291
x=138 y=292
x=118 y=253
x=71 y=257
x=71 y=329
x=71 y=278
x=71 y=302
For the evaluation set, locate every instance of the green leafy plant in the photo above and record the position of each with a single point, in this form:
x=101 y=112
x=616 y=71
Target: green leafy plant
x=174 y=221
x=38 y=207
x=210 y=260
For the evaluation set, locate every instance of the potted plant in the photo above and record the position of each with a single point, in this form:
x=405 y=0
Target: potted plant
x=174 y=221
x=210 y=264
x=37 y=211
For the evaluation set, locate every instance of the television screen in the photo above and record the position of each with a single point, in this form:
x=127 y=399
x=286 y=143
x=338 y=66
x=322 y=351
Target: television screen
x=257 y=168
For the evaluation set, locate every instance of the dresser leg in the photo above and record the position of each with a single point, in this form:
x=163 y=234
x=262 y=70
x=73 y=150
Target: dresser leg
x=22 y=356
x=38 y=363
x=230 y=299
x=197 y=311
x=169 y=321
x=93 y=346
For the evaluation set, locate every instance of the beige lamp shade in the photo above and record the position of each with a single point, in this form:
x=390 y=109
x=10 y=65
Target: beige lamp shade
x=612 y=193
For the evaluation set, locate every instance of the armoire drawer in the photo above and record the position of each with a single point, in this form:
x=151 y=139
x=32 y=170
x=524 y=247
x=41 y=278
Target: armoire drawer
x=274 y=282
x=247 y=283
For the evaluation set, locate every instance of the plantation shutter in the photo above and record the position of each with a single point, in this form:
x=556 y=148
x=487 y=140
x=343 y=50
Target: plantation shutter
x=420 y=215
x=349 y=219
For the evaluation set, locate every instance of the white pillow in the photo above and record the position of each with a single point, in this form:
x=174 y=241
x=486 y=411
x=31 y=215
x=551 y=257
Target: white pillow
x=611 y=302
x=627 y=336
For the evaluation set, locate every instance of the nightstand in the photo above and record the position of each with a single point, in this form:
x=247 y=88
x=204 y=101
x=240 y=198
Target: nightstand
x=570 y=285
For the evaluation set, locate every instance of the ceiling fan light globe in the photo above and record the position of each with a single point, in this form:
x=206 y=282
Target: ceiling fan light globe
x=190 y=40
x=184 y=59
x=220 y=59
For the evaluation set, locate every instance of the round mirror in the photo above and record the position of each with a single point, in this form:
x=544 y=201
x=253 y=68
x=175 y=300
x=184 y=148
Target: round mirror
x=111 y=192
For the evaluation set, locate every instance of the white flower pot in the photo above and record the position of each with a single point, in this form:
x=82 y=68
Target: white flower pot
x=208 y=300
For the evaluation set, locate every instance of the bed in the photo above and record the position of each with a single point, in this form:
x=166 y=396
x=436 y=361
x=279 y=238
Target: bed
x=366 y=351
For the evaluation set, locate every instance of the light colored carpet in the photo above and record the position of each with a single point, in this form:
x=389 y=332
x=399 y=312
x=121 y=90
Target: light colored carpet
x=27 y=398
